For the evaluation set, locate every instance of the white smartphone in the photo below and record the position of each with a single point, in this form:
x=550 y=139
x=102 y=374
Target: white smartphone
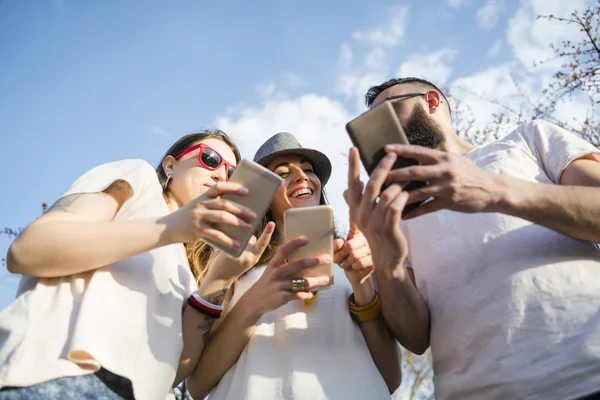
x=262 y=185
x=316 y=223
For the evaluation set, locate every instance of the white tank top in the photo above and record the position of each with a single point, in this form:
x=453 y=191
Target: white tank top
x=300 y=352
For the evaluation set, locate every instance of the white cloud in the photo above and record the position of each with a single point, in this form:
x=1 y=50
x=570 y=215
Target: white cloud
x=490 y=91
x=495 y=49
x=530 y=37
x=455 y=3
x=392 y=31
x=573 y=111
x=488 y=15
x=157 y=130
x=434 y=66
x=317 y=121
x=353 y=81
x=292 y=80
x=266 y=90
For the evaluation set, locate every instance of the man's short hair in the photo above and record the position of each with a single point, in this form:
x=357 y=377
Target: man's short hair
x=375 y=91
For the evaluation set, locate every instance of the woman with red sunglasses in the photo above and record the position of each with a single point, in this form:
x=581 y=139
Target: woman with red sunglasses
x=109 y=304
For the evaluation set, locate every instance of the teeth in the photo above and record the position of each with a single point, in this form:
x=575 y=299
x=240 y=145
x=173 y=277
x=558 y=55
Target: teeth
x=300 y=192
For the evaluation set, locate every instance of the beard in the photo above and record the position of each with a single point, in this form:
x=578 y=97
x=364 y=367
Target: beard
x=421 y=130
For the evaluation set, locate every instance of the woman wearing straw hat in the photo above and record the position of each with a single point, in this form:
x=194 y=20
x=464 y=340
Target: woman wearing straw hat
x=270 y=347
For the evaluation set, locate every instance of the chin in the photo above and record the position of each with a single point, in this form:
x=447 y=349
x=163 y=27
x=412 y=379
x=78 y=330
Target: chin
x=298 y=203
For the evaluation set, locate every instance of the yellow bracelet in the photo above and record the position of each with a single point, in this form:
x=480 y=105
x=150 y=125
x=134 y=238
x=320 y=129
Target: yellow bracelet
x=368 y=312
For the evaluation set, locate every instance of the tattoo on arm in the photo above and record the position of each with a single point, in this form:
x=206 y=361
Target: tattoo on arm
x=218 y=297
x=120 y=190
x=205 y=327
x=65 y=204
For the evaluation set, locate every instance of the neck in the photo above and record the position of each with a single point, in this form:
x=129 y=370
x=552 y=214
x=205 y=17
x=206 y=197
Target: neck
x=171 y=201
x=454 y=144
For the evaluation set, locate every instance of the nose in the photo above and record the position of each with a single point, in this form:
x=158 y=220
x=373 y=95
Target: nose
x=299 y=175
x=220 y=174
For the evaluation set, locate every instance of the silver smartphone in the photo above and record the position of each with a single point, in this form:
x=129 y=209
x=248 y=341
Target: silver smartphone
x=262 y=185
x=316 y=223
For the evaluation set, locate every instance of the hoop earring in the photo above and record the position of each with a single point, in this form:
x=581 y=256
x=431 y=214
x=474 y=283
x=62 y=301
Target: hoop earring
x=166 y=184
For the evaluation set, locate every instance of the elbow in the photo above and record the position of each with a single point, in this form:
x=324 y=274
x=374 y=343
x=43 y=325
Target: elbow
x=21 y=258
x=393 y=383
x=196 y=389
x=14 y=259
x=418 y=347
x=419 y=350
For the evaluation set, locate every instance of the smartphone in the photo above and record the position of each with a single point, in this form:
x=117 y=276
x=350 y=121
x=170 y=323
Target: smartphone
x=316 y=223
x=371 y=131
x=262 y=185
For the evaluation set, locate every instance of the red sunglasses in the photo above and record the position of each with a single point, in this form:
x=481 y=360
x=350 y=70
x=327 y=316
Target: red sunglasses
x=209 y=158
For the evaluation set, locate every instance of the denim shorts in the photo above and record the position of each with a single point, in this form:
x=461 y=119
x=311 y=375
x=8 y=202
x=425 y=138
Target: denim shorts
x=103 y=385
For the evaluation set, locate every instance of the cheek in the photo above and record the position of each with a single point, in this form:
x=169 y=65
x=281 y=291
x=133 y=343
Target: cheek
x=280 y=202
x=317 y=184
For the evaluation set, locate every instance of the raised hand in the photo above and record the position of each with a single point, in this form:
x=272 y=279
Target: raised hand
x=276 y=286
x=230 y=268
x=379 y=220
x=354 y=255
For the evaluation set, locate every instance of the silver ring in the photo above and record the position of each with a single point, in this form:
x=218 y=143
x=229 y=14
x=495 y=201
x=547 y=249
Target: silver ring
x=298 y=284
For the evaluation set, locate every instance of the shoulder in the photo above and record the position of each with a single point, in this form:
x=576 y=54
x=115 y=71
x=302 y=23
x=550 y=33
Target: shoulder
x=538 y=127
x=137 y=173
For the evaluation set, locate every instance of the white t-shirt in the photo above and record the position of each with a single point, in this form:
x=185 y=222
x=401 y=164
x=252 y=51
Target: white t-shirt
x=300 y=352
x=125 y=317
x=514 y=306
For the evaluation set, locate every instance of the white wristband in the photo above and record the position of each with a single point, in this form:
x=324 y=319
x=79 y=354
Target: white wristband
x=216 y=307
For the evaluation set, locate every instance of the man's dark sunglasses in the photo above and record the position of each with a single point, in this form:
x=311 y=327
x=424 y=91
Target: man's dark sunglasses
x=406 y=96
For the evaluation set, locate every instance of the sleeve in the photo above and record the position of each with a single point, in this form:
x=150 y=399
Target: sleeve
x=554 y=147
x=137 y=173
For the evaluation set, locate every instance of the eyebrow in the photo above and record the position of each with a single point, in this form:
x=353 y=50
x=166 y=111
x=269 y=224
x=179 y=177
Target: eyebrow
x=287 y=163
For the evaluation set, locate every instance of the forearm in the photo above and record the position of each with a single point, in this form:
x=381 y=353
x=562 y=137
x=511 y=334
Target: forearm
x=571 y=210
x=197 y=326
x=60 y=248
x=223 y=348
x=381 y=343
x=196 y=330
x=404 y=310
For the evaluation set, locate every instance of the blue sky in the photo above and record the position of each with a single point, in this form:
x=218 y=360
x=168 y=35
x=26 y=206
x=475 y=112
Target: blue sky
x=83 y=83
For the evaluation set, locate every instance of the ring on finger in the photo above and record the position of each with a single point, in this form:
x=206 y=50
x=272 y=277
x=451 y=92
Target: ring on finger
x=298 y=284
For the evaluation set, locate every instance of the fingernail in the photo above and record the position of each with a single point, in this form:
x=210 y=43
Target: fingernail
x=247 y=227
x=243 y=191
x=253 y=215
x=236 y=244
x=390 y=147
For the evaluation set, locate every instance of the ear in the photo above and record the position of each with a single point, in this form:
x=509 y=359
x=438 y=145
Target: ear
x=168 y=164
x=433 y=100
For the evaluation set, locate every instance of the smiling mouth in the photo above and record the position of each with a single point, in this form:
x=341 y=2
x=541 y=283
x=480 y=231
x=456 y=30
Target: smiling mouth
x=303 y=193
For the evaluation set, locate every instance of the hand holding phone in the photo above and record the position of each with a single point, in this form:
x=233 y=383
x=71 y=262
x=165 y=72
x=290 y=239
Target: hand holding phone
x=371 y=131
x=316 y=224
x=262 y=185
